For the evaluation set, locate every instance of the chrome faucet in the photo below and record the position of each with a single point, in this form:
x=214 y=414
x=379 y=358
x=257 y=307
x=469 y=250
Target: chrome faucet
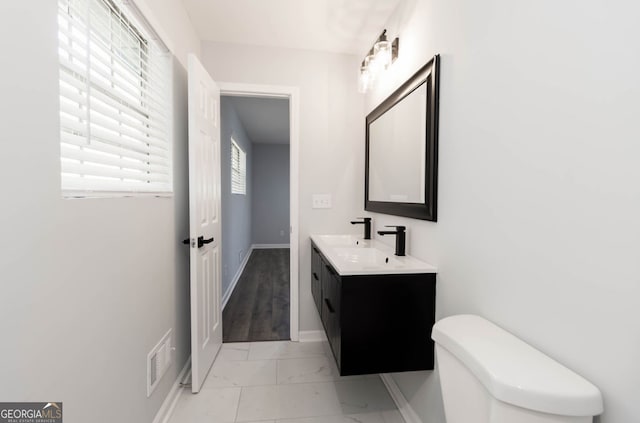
x=400 y=238
x=366 y=221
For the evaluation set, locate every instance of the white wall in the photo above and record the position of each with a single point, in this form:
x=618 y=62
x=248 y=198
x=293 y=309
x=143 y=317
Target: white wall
x=270 y=202
x=172 y=23
x=331 y=134
x=87 y=286
x=236 y=208
x=538 y=181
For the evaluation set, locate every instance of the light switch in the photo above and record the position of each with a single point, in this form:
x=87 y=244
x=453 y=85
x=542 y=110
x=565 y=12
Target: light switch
x=321 y=201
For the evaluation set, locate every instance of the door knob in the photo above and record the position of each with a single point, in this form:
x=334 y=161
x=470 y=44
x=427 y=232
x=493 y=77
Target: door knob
x=202 y=241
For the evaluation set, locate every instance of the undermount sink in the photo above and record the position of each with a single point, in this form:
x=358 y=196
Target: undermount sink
x=344 y=241
x=353 y=255
x=366 y=256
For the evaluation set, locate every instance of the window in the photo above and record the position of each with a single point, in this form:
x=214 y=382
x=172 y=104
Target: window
x=238 y=169
x=114 y=81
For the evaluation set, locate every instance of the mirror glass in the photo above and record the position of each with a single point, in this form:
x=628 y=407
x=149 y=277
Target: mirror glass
x=397 y=155
x=401 y=155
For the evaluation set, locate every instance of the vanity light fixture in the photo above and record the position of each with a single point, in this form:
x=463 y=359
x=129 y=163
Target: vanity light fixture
x=381 y=55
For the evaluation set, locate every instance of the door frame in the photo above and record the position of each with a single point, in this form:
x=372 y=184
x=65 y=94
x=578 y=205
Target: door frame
x=293 y=94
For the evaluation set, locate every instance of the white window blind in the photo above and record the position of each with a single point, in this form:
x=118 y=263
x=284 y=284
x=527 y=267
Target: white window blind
x=238 y=169
x=114 y=90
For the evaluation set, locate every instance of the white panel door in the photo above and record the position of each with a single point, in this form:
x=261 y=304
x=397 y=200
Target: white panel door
x=204 y=221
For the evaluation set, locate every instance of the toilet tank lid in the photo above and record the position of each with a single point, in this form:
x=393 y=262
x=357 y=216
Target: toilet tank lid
x=513 y=371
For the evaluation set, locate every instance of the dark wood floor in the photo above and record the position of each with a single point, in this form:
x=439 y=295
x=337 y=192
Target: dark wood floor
x=258 y=309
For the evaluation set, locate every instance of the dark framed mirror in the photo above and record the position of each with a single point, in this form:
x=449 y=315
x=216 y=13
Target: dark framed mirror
x=401 y=156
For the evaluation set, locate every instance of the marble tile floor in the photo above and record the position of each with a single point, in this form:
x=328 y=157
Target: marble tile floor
x=284 y=382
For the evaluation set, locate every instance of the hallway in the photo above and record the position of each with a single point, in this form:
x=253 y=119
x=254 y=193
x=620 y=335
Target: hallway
x=258 y=309
x=284 y=382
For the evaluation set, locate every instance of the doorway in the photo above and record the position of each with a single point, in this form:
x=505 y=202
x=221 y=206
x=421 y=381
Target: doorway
x=260 y=244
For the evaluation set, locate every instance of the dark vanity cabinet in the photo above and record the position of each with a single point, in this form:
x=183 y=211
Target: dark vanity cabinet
x=375 y=323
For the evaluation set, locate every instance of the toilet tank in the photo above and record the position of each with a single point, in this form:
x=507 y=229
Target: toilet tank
x=490 y=376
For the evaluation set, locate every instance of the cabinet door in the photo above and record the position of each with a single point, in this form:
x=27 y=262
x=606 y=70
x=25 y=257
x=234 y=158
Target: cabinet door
x=331 y=310
x=316 y=272
x=325 y=305
x=336 y=333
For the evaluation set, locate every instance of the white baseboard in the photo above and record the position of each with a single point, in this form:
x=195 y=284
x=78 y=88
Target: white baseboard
x=236 y=278
x=263 y=246
x=405 y=409
x=169 y=403
x=311 y=336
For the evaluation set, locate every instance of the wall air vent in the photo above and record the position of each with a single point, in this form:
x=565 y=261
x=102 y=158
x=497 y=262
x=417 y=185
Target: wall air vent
x=158 y=361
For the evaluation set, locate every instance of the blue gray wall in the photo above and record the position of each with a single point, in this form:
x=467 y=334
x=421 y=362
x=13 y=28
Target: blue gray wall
x=236 y=208
x=270 y=200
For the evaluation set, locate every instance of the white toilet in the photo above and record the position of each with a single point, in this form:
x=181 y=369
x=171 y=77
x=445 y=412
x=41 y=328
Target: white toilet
x=488 y=375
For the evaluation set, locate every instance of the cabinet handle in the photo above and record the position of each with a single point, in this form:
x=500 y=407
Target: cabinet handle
x=329 y=306
x=315 y=276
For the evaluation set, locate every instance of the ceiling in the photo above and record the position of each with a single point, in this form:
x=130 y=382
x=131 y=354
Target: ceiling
x=265 y=120
x=339 y=26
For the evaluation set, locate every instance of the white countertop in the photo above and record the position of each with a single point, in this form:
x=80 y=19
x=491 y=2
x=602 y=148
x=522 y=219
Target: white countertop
x=352 y=255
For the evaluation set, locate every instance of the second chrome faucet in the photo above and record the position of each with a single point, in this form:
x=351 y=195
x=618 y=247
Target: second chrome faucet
x=400 y=238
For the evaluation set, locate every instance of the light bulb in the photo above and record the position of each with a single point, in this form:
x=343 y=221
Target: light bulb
x=365 y=80
x=373 y=65
x=382 y=53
